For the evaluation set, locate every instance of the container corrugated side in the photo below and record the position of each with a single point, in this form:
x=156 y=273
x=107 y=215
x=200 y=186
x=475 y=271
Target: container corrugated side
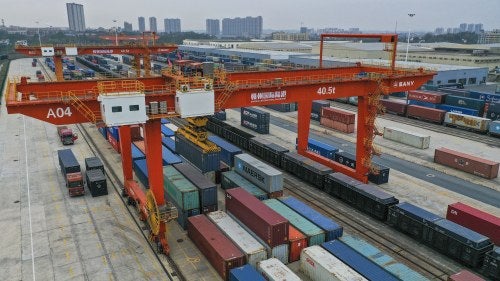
x=180 y=189
x=467 y=121
x=464 y=275
x=228 y=151
x=207 y=189
x=141 y=171
x=466 y=162
x=183 y=215
x=136 y=152
x=315 y=235
x=168 y=143
x=332 y=229
x=167 y=131
x=457 y=109
x=274 y=270
x=319 y=264
x=356 y=261
x=399 y=270
x=217 y=248
x=280 y=252
x=169 y=157
x=475 y=219
x=462 y=234
x=245 y=273
x=231 y=179
x=256 y=171
x=407 y=137
x=297 y=241
x=253 y=250
x=205 y=162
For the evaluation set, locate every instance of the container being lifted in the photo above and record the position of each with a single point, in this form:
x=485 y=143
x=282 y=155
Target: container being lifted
x=66 y=135
x=70 y=168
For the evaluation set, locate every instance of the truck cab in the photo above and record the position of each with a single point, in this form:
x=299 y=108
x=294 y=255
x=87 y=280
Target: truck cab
x=66 y=135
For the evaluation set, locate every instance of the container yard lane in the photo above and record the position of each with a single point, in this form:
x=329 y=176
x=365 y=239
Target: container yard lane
x=47 y=235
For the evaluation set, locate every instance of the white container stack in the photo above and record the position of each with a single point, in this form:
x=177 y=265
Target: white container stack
x=274 y=270
x=259 y=173
x=407 y=137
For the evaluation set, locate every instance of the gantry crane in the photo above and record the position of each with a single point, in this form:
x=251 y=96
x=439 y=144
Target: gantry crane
x=195 y=97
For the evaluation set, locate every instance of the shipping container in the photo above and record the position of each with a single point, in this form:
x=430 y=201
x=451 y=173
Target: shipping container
x=349 y=160
x=141 y=171
x=261 y=174
x=342 y=116
x=136 y=152
x=345 y=128
x=164 y=121
x=495 y=128
x=68 y=162
x=394 y=106
x=487 y=97
x=114 y=143
x=390 y=265
x=251 y=248
x=168 y=143
x=315 y=235
x=464 y=275
x=358 y=262
x=228 y=151
x=335 y=183
x=183 y=215
x=222 y=254
x=259 y=128
x=332 y=229
x=493 y=112
x=221 y=115
x=318 y=104
x=318 y=264
x=238 y=137
x=266 y=223
x=103 y=131
x=207 y=190
x=231 y=179
x=172 y=127
x=412 y=220
x=114 y=132
x=474 y=219
x=167 y=132
x=92 y=163
x=423 y=104
x=255 y=115
x=245 y=273
x=305 y=168
x=467 y=163
x=425 y=113
x=205 y=162
x=491 y=264
x=266 y=150
x=169 y=157
x=321 y=148
x=180 y=189
x=478 y=124
x=275 y=270
x=406 y=137
x=427 y=96
x=466 y=102
x=284 y=107
x=346 y=159
x=297 y=241
x=96 y=182
x=457 y=109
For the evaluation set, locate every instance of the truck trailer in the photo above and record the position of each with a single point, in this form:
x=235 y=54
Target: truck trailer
x=70 y=169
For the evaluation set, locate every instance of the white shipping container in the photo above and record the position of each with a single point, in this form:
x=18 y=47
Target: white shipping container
x=274 y=270
x=318 y=264
x=171 y=127
x=467 y=121
x=261 y=174
x=253 y=250
x=407 y=137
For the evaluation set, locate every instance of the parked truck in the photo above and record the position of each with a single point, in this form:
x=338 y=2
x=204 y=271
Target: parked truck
x=66 y=135
x=70 y=168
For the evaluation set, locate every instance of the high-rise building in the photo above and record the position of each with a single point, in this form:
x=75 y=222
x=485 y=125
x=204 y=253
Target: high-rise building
x=127 y=26
x=213 y=27
x=249 y=27
x=489 y=37
x=142 y=24
x=439 y=30
x=478 y=27
x=449 y=30
x=172 y=25
x=470 y=27
x=76 y=18
x=463 y=27
x=153 y=27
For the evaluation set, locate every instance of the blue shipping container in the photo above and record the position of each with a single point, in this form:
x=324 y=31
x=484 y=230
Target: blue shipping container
x=166 y=131
x=137 y=153
x=245 y=273
x=356 y=261
x=164 y=121
x=228 y=150
x=460 y=110
x=423 y=103
x=487 y=97
x=322 y=149
x=463 y=234
x=182 y=214
x=169 y=143
x=205 y=162
x=495 y=128
x=169 y=157
x=141 y=171
x=400 y=270
x=103 y=131
x=331 y=228
x=114 y=132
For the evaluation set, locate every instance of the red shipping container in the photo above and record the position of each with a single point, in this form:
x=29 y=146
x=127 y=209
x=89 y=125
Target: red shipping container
x=477 y=220
x=326 y=122
x=135 y=133
x=114 y=143
x=214 y=245
x=466 y=162
x=426 y=113
x=397 y=107
x=338 y=115
x=426 y=96
x=296 y=241
x=346 y=128
x=464 y=275
x=276 y=194
x=270 y=226
x=141 y=146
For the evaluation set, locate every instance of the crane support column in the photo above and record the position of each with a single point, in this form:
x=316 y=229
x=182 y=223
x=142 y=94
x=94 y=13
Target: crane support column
x=58 y=68
x=137 y=65
x=126 y=151
x=362 y=150
x=303 y=123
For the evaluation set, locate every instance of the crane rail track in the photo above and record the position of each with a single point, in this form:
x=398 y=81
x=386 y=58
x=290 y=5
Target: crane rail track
x=461 y=133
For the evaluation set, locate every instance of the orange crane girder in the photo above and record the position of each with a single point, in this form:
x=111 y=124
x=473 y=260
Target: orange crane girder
x=100 y=50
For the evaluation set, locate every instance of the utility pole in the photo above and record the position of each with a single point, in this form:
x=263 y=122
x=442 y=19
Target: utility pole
x=408 y=43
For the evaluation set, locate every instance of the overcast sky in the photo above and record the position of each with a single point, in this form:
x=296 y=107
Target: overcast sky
x=277 y=14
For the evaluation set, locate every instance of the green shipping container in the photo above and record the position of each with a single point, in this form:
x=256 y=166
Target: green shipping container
x=231 y=179
x=315 y=235
x=180 y=189
x=466 y=102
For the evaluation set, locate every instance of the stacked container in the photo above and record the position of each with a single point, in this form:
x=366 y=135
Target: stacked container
x=425 y=113
x=283 y=107
x=141 y=171
x=471 y=103
x=207 y=190
x=228 y=151
x=168 y=143
x=231 y=179
x=169 y=157
x=204 y=161
x=478 y=124
x=167 y=132
x=493 y=112
x=337 y=119
x=321 y=148
x=316 y=109
x=264 y=176
x=275 y=270
x=393 y=106
x=182 y=193
x=245 y=273
x=255 y=119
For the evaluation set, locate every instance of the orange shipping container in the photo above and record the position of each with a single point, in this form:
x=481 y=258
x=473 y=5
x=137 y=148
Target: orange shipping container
x=140 y=145
x=297 y=241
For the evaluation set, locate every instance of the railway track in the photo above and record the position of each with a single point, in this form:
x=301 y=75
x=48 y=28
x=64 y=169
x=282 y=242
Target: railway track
x=491 y=141
x=352 y=221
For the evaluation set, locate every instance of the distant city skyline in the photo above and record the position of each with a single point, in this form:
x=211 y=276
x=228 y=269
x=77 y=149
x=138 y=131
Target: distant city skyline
x=368 y=15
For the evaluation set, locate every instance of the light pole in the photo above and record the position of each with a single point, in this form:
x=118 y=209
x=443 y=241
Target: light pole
x=408 y=43
x=116 y=33
x=38 y=29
